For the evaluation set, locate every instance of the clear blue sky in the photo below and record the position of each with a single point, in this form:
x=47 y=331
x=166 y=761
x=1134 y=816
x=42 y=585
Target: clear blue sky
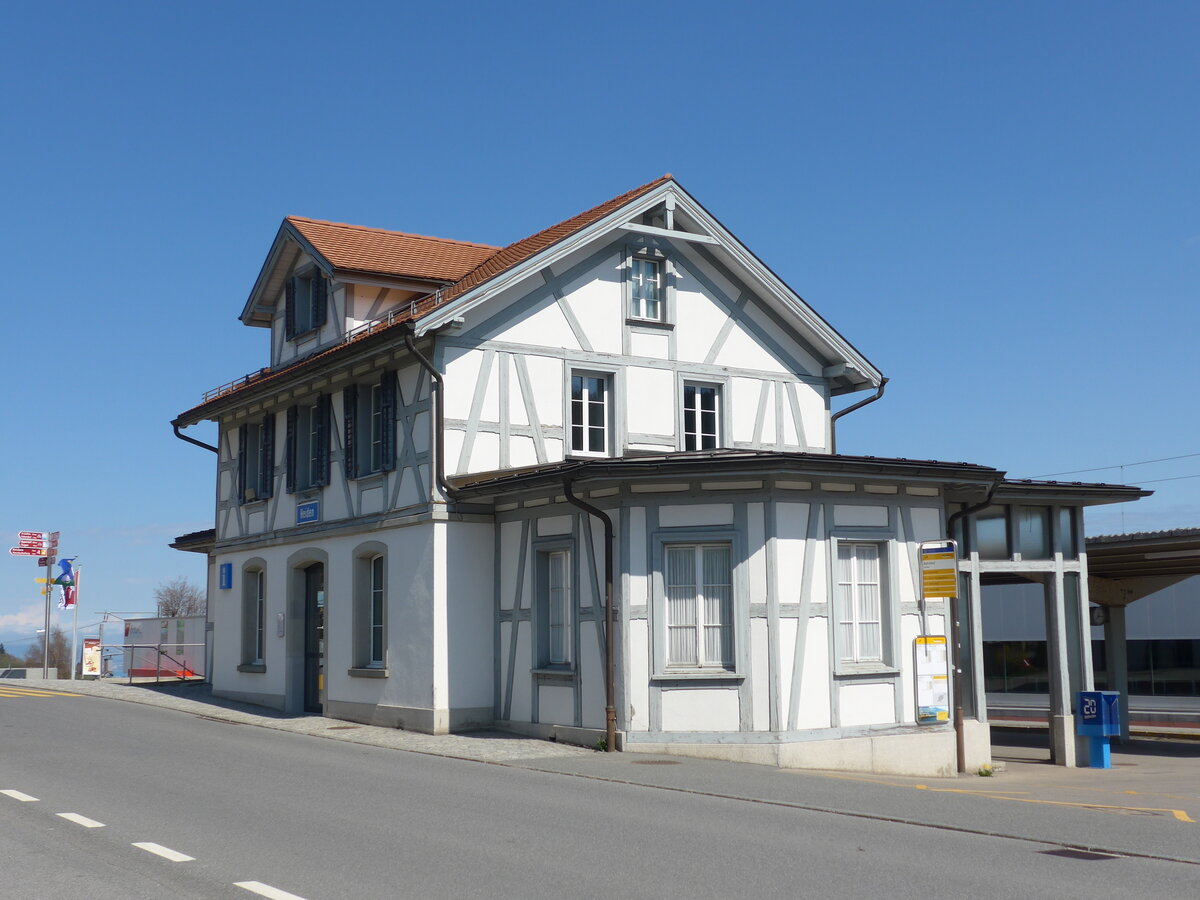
x=996 y=203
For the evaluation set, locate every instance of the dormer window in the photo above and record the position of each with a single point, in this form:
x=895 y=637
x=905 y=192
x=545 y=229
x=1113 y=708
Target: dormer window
x=305 y=299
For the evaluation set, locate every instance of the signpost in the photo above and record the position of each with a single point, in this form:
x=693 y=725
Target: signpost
x=44 y=546
x=931 y=656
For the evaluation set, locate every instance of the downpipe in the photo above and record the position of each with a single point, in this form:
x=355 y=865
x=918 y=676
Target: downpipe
x=610 y=670
x=439 y=415
x=849 y=409
x=183 y=437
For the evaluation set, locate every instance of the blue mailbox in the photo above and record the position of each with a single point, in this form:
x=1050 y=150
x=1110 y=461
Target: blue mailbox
x=1099 y=718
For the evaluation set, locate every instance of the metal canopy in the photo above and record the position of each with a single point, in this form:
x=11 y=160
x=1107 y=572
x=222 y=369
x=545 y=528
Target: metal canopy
x=1147 y=553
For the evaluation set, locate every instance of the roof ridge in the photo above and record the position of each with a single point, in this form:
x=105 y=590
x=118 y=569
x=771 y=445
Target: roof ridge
x=617 y=200
x=424 y=237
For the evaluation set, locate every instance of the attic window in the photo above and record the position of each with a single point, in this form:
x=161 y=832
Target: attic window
x=305 y=302
x=646 y=293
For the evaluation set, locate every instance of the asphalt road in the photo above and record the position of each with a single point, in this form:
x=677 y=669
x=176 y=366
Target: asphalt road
x=326 y=819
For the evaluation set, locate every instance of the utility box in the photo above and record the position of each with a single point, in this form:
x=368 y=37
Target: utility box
x=1099 y=719
x=1099 y=714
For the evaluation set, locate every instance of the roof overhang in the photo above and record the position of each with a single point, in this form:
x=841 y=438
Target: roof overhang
x=853 y=371
x=1068 y=493
x=196 y=541
x=956 y=479
x=1155 y=553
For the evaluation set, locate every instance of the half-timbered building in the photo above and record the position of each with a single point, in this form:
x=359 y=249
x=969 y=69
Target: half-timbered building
x=460 y=460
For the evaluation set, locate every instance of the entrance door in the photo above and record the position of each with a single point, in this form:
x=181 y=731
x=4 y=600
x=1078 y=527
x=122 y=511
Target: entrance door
x=314 y=637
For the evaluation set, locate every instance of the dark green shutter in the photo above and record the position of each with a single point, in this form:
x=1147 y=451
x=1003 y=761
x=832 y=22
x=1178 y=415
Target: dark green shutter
x=290 y=449
x=349 y=415
x=289 y=309
x=387 y=408
x=241 y=476
x=267 y=463
x=320 y=292
x=322 y=449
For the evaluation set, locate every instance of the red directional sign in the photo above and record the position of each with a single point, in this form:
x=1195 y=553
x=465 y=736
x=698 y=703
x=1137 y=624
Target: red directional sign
x=33 y=545
x=33 y=536
x=25 y=551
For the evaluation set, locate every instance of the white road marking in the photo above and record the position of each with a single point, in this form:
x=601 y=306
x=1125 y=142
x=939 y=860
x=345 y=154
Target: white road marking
x=17 y=795
x=265 y=890
x=164 y=852
x=81 y=820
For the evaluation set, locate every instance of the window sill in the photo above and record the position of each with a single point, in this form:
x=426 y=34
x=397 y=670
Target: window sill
x=302 y=337
x=852 y=670
x=253 y=668
x=650 y=323
x=366 y=672
x=553 y=674
x=699 y=675
x=369 y=479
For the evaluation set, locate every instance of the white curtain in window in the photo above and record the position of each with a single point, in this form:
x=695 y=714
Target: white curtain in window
x=860 y=602
x=681 y=605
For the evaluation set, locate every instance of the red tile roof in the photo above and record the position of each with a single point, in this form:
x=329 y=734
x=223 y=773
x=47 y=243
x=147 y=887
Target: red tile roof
x=391 y=252
x=395 y=253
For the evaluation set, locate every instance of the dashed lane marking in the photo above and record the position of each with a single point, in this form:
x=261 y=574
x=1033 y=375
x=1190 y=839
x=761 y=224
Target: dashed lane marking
x=265 y=890
x=81 y=820
x=17 y=795
x=164 y=852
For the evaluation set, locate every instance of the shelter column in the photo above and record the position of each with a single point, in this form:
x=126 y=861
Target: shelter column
x=1061 y=721
x=1116 y=654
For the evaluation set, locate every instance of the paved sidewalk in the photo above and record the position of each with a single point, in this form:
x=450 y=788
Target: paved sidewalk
x=197 y=699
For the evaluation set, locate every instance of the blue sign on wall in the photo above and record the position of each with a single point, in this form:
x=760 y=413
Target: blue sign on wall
x=226 y=577
x=308 y=512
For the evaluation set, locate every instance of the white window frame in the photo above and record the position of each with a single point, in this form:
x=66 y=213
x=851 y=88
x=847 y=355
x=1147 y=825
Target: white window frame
x=697 y=434
x=368 y=421
x=377 y=613
x=637 y=310
x=260 y=617
x=254 y=617
x=849 y=621
x=639 y=303
x=607 y=380
x=558 y=602
x=699 y=608
x=554 y=606
x=308 y=430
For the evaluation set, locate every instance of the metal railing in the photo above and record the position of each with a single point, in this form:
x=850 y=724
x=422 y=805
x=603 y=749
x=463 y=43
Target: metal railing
x=386 y=321
x=184 y=671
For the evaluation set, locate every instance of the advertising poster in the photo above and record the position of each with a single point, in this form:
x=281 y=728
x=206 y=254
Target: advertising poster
x=933 y=679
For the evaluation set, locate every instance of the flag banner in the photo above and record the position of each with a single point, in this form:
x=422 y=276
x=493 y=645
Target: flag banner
x=69 y=589
x=68 y=575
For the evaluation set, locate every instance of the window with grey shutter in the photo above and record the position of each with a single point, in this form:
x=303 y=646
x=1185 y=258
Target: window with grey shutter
x=387 y=410
x=289 y=309
x=320 y=299
x=350 y=417
x=243 y=437
x=267 y=465
x=290 y=450
x=321 y=456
